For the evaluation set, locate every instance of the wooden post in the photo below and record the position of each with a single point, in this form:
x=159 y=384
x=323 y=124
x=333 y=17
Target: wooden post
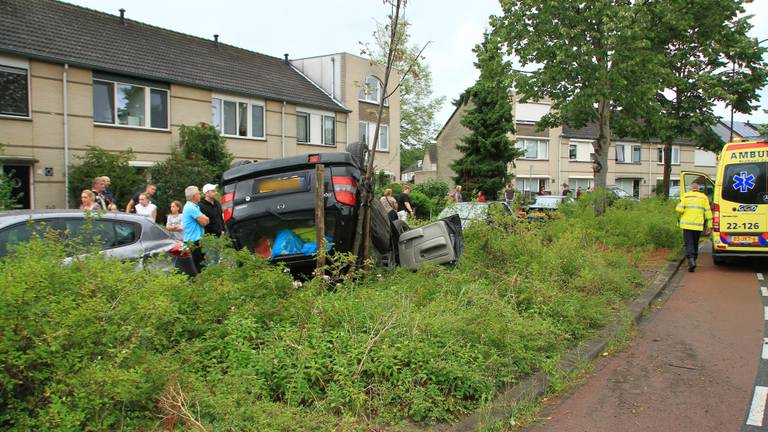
x=320 y=214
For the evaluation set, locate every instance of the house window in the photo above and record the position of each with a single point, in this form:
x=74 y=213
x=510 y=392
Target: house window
x=238 y=117
x=580 y=151
x=372 y=90
x=302 y=127
x=367 y=129
x=316 y=127
x=329 y=130
x=529 y=184
x=675 y=155
x=626 y=153
x=128 y=104
x=14 y=91
x=533 y=149
x=579 y=183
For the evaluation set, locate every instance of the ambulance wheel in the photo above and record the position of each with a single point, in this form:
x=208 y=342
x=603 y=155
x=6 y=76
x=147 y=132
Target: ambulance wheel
x=718 y=260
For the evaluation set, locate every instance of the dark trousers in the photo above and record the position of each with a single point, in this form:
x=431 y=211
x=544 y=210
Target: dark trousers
x=691 y=239
x=197 y=255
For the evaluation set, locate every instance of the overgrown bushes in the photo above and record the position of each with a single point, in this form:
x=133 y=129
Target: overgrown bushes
x=98 y=346
x=97 y=162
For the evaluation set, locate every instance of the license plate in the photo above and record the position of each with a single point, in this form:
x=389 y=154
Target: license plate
x=280 y=185
x=743 y=239
x=539 y=214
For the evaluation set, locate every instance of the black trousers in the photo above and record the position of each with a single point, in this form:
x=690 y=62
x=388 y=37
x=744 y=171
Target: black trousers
x=197 y=255
x=691 y=239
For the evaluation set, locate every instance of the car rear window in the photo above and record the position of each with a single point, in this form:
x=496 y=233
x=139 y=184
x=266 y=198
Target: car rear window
x=260 y=235
x=746 y=183
x=276 y=184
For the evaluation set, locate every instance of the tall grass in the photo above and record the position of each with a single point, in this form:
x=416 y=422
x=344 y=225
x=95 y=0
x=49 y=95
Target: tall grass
x=98 y=346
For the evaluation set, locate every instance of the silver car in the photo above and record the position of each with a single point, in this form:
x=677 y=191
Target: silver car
x=119 y=235
x=470 y=212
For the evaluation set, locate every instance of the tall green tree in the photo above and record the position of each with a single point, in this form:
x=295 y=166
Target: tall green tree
x=707 y=58
x=487 y=149
x=418 y=107
x=594 y=64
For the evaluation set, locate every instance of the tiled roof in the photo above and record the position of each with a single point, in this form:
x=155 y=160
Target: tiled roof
x=745 y=129
x=591 y=131
x=64 y=33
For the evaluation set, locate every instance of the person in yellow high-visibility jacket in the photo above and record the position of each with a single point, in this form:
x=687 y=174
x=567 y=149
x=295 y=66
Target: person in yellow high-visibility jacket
x=696 y=216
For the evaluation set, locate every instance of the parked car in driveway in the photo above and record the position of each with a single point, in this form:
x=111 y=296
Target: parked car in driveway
x=472 y=212
x=119 y=235
x=269 y=208
x=621 y=193
x=545 y=206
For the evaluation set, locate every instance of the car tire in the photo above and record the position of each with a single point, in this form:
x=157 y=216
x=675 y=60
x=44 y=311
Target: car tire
x=717 y=260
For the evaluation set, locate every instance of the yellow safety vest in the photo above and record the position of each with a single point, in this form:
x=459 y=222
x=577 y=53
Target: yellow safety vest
x=696 y=214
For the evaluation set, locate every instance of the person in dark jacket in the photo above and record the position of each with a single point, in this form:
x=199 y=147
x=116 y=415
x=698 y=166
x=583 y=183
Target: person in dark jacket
x=211 y=207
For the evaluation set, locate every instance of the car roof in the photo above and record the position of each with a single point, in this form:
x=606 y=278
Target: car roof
x=16 y=216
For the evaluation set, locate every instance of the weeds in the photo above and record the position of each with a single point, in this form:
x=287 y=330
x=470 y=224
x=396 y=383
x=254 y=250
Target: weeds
x=96 y=345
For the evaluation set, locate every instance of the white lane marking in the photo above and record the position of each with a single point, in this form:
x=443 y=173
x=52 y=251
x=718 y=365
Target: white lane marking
x=766 y=313
x=757 y=410
x=765 y=349
x=764 y=291
x=760 y=276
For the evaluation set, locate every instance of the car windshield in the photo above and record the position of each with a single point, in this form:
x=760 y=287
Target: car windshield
x=746 y=183
x=465 y=210
x=621 y=193
x=547 y=202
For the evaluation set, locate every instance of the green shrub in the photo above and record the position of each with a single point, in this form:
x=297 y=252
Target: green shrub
x=202 y=157
x=97 y=345
x=422 y=204
x=97 y=162
x=432 y=188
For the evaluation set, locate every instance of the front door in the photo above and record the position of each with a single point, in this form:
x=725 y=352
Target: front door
x=21 y=186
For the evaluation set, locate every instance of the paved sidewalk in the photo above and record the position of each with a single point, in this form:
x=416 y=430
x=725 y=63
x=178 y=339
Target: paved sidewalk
x=691 y=366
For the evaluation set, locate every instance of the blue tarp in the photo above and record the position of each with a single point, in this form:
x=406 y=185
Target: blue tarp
x=288 y=242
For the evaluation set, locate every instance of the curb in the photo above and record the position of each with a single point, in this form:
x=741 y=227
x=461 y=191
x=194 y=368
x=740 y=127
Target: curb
x=536 y=385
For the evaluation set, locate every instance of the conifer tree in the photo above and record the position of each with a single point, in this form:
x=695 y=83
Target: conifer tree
x=487 y=149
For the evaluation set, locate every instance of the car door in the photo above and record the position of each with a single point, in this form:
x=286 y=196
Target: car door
x=707 y=186
x=116 y=239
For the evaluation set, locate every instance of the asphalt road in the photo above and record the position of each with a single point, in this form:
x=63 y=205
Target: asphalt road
x=694 y=364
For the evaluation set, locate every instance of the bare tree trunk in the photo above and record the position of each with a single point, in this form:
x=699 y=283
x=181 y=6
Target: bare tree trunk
x=320 y=215
x=667 y=168
x=602 y=148
x=362 y=228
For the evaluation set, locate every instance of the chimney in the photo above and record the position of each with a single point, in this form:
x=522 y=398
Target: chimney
x=122 y=16
x=216 y=39
x=286 y=57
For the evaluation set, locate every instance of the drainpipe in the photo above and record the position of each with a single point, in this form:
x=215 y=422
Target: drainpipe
x=66 y=139
x=282 y=130
x=333 y=77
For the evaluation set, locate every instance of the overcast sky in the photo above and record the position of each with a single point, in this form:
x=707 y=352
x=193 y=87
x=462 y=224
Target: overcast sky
x=304 y=28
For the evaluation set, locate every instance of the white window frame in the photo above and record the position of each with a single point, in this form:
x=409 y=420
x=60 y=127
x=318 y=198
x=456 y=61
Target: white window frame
x=629 y=153
x=540 y=180
x=372 y=97
x=249 y=114
x=575 y=182
x=383 y=144
x=522 y=143
x=579 y=146
x=530 y=112
x=147 y=106
x=660 y=152
x=19 y=63
x=316 y=135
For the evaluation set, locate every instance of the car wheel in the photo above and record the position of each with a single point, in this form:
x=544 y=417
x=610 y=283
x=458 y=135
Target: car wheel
x=717 y=260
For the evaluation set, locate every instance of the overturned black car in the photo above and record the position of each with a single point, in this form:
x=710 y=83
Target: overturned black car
x=269 y=209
